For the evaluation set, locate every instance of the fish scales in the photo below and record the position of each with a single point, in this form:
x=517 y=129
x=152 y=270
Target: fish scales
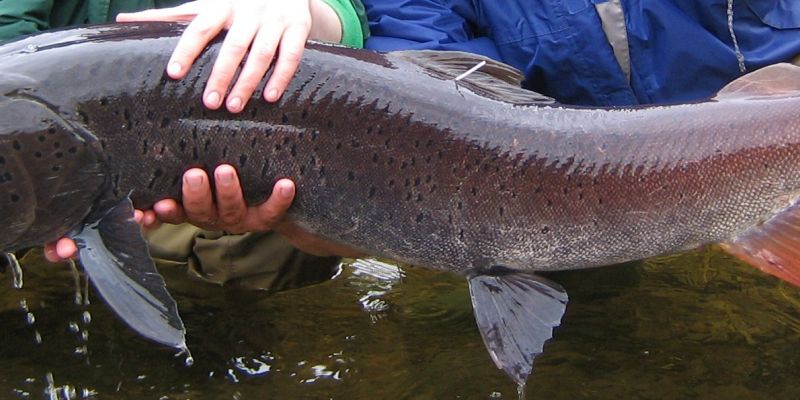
x=434 y=174
x=393 y=155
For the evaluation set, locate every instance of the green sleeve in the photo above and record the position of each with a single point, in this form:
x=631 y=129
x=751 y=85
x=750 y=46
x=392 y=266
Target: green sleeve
x=353 y=19
x=23 y=17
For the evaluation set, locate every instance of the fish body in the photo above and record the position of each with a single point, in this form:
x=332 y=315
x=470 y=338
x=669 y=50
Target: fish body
x=394 y=157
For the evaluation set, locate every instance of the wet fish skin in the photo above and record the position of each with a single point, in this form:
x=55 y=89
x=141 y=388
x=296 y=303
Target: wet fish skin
x=390 y=156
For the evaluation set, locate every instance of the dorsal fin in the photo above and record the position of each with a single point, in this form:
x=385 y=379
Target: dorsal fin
x=778 y=80
x=494 y=80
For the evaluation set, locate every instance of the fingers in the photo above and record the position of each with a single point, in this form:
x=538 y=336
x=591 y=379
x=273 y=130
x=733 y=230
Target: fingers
x=259 y=59
x=236 y=44
x=267 y=215
x=198 y=202
x=183 y=12
x=291 y=50
x=197 y=35
x=231 y=208
x=169 y=211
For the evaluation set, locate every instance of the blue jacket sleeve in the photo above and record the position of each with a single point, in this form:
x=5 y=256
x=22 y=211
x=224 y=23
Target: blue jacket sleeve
x=424 y=24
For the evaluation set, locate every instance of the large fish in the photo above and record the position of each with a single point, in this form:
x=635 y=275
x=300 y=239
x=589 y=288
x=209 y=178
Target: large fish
x=394 y=156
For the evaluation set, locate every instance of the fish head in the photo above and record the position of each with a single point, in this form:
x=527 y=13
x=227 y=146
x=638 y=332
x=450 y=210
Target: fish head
x=50 y=176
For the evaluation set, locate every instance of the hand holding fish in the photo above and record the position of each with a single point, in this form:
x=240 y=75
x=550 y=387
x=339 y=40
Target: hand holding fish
x=225 y=209
x=262 y=27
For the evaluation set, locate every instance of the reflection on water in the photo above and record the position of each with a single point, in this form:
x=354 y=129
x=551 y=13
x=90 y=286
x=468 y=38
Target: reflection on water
x=695 y=325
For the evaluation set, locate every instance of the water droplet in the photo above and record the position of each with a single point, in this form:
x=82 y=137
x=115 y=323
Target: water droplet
x=85 y=335
x=16 y=270
x=37 y=337
x=87 y=317
x=73 y=327
x=30 y=318
x=23 y=304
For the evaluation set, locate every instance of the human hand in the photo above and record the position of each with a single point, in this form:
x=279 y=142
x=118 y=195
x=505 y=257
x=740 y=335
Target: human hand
x=65 y=248
x=226 y=210
x=258 y=26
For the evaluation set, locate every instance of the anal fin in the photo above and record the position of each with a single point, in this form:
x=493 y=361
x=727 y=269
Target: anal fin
x=773 y=246
x=516 y=313
x=117 y=261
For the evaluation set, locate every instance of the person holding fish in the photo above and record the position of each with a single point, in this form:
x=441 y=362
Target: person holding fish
x=258 y=32
x=606 y=53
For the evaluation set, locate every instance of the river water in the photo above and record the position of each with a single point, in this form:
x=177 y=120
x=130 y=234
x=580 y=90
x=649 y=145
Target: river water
x=693 y=325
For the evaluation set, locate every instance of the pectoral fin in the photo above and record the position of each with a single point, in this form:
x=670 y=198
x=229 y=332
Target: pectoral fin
x=516 y=313
x=115 y=256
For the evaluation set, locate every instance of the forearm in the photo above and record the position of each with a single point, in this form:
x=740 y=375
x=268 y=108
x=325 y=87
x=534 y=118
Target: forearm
x=338 y=21
x=325 y=23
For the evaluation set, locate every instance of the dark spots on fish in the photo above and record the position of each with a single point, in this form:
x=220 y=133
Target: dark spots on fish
x=432 y=189
x=351 y=176
x=182 y=144
x=545 y=229
x=2 y=160
x=407 y=182
x=242 y=160
x=580 y=195
x=314 y=134
x=408 y=196
x=16 y=145
x=460 y=205
x=165 y=122
x=371 y=193
x=390 y=161
x=162 y=149
x=439 y=154
x=302 y=170
x=293 y=150
x=265 y=168
x=195 y=154
x=338 y=145
x=175 y=180
x=194 y=133
x=59 y=154
x=375 y=158
x=145 y=146
x=51 y=131
x=391 y=182
x=330 y=124
x=417 y=181
x=284 y=118
x=501 y=211
x=386 y=144
x=355 y=144
x=565 y=190
x=474 y=190
x=225 y=152
x=102 y=144
x=151 y=115
x=321 y=172
x=403 y=165
x=428 y=178
x=278 y=147
x=419 y=217
x=549 y=202
x=6 y=177
x=450 y=218
x=41 y=138
x=72 y=150
x=206 y=144
x=461 y=234
x=419 y=198
x=55 y=168
x=14 y=197
x=416 y=144
x=304 y=114
x=600 y=201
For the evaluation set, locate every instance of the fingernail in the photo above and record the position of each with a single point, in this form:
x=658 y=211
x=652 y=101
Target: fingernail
x=194 y=181
x=235 y=104
x=272 y=95
x=174 y=69
x=285 y=191
x=225 y=177
x=213 y=99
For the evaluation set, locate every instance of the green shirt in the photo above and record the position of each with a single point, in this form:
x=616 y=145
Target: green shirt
x=29 y=16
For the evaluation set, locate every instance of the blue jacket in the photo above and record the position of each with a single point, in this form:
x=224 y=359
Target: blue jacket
x=678 y=50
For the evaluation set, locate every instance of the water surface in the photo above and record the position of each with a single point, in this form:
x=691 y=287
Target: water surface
x=694 y=325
